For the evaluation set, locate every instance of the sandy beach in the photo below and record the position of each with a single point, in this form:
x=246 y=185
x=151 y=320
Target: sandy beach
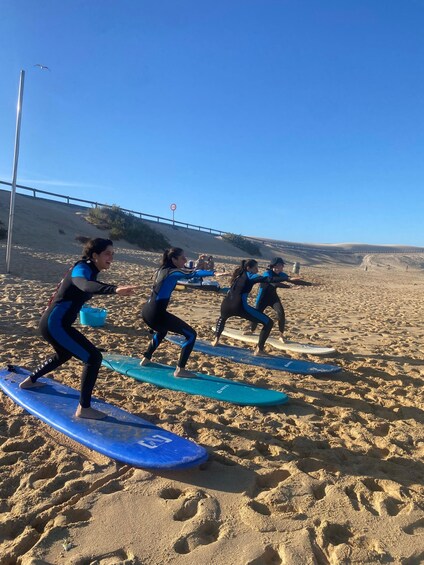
x=333 y=477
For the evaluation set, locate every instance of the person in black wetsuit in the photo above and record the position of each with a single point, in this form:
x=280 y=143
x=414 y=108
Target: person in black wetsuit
x=155 y=313
x=235 y=303
x=268 y=297
x=78 y=285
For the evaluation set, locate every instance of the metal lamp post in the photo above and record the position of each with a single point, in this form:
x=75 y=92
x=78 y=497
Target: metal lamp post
x=15 y=170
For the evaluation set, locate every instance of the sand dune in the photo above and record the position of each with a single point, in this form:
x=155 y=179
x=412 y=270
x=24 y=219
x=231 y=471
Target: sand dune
x=335 y=476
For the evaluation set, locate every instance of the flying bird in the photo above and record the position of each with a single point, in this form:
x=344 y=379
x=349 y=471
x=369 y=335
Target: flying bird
x=42 y=67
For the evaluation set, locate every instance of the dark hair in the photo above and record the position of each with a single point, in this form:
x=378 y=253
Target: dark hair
x=276 y=261
x=169 y=254
x=245 y=264
x=97 y=245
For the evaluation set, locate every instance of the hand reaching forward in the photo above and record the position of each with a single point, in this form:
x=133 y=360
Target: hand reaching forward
x=126 y=290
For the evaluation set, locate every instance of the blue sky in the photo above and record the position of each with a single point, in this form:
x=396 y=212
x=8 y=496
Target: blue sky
x=300 y=120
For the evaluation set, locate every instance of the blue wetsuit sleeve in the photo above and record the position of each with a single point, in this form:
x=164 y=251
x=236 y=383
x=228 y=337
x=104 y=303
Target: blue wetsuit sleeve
x=82 y=279
x=278 y=280
x=202 y=273
x=257 y=278
x=169 y=282
x=177 y=274
x=197 y=273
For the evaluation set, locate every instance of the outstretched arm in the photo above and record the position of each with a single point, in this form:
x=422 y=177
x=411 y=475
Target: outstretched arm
x=300 y=282
x=189 y=273
x=126 y=290
x=255 y=278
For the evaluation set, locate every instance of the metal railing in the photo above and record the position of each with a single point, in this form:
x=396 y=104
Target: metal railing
x=141 y=215
x=168 y=221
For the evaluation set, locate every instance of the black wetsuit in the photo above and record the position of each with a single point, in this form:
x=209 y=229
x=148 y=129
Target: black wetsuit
x=78 y=286
x=235 y=304
x=268 y=297
x=156 y=316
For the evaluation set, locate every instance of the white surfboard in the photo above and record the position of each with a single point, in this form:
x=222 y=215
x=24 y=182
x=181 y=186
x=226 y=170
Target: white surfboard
x=290 y=346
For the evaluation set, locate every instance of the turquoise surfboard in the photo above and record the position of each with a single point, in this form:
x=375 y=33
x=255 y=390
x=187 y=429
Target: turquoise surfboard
x=203 y=385
x=121 y=435
x=242 y=355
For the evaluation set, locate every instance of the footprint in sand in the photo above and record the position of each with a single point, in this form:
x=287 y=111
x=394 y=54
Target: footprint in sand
x=170 y=493
x=379 y=498
x=338 y=543
x=266 y=505
x=332 y=543
x=112 y=558
x=72 y=516
x=205 y=533
x=319 y=490
x=268 y=481
x=417 y=528
x=39 y=478
x=200 y=514
x=313 y=467
x=22 y=446
x=269 y=556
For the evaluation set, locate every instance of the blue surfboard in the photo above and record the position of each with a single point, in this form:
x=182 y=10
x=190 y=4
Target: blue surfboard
x=121 y=436
x=242 y=355
x=203 y=385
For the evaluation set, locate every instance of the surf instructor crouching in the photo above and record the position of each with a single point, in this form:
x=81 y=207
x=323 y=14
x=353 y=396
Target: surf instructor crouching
x=78 y=285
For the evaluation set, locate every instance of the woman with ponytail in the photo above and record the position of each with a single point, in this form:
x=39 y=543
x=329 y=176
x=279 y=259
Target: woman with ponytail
x=235 y=303
x=155 y=313
x=267 y=296
x=78 y=285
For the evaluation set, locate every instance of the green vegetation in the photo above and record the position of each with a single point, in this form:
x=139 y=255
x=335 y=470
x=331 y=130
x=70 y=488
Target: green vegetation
x=241 y=242
x=3 y=231
x=122 y=225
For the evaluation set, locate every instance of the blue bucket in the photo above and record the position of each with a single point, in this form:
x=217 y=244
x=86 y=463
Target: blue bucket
x=94 y=317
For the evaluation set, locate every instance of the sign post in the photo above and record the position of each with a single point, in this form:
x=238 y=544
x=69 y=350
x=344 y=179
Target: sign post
x=173 y=208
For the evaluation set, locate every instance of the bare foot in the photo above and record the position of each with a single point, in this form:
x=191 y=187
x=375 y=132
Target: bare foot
x=89 y=413
x=215 y=342
x=180 y=372
x=260 y=352
x=145 y=362
x=282 y=339
x=27 y=383
x=247 y=332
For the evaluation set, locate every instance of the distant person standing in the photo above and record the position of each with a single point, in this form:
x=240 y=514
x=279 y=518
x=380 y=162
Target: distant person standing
x=201 y=263
x=210 y=263
x=267 y=296
x=155 y=313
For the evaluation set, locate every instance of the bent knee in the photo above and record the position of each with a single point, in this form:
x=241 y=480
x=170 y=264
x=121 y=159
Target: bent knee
x=95 y=358
x=190 y=335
